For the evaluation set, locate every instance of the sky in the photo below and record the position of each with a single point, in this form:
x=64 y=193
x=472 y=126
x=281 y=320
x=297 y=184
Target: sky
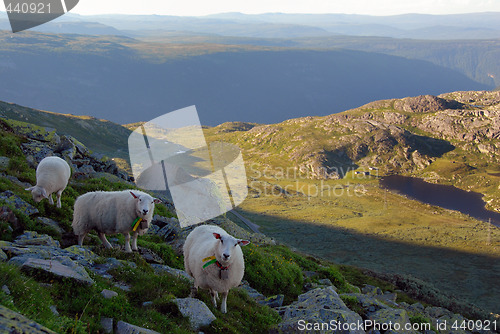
x=205 y=7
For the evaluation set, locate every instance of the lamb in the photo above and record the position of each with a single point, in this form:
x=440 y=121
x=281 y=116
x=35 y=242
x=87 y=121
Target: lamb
x=52 y=175
x=215 y=260
x=127 y=211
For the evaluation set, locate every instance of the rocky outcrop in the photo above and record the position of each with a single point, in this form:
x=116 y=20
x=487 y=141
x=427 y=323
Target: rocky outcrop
x=13 y=322
x=41 y=142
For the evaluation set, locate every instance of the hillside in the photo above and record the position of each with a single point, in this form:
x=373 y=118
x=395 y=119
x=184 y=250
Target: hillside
x=126 y=80
x=49 y=285
x=101 y=136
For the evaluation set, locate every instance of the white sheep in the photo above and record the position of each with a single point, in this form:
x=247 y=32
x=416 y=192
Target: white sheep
x=111 y=212
x=215 y=260
x=52 y=175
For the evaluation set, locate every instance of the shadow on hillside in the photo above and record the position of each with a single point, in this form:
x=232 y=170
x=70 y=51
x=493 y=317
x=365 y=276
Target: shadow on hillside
x=469 y=277
x=429 y=146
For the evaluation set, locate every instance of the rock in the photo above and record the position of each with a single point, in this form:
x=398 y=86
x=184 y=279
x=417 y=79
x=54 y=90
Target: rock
x=53 y=308
x=256 y=295
x=10 y=198
x=31 y=238
x=123 y=327
x=368 y=302
x=86 y=169
x=49 y=222
x=168 y=228
x=16 y=181
x=319 y=306
x=159 y=269
x=6 y=214
x=107 y=325
x=198 y=313
x=5 y=289
x=37 y=150
x=327 y=282
x=150 y=256
x=4 y=163
x=122 y=286
x=393 y=316
x=147 y=304
x=3 y=256
x=13 y=322
x=56 y=269
x=82 y=255
x=371 y=290
x=273 y=301
x=108 y=294
x=307 y=273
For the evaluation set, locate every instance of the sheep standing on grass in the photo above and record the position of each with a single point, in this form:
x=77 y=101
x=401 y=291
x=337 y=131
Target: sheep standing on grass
x=127 y=211
x=215 y=260
x=52 y=175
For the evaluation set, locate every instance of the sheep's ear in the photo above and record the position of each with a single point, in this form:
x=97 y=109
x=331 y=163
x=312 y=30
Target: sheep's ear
x=30 y=188
x=217 y=235
x=135 y=196
x=157 y=200
x=243 y=242
x=44 y=193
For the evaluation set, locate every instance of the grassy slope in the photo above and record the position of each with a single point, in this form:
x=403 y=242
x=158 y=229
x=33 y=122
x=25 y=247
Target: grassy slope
x=271 y=269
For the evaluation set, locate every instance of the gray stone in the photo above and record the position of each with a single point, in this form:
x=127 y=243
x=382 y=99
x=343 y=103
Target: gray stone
x=326 y=281
x=13 y=322
x=308 y=273
x=122 y=286
x=49 y=222
x=388 y=315
x=4 y=163
x=371 y=290
x=273 y=301
x=123 y=327
x=12 y=199
x=256 y=295
x=86 y=169
x=147 y=304
x=107 y=325
x=108 y=294
x=5 y=289
x=322 y=305
x=56 y=269
x=197 y=311
x=53 y=308
x=368 y=302
x=160 y=269
x=31 y=238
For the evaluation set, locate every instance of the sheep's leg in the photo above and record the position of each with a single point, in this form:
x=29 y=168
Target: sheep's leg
x=105 y=241
x=51 y=201
x=214 y=295
x=134 y=241
x=58 y=198
x=127 y=243
x=80 y=239
x=223 y=306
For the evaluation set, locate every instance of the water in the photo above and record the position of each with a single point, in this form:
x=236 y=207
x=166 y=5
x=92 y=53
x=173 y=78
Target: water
x=445 y=196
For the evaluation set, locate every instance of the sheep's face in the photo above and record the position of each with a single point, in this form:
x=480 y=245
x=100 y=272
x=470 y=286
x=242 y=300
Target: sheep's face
x=225 y=247
x=38 y=193
x=144 y=206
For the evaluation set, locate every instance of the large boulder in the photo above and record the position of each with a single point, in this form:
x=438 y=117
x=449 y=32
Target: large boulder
x=56 y=269
x=12 y=199
x=123 y=327
x=197 y=311
x=320 y=310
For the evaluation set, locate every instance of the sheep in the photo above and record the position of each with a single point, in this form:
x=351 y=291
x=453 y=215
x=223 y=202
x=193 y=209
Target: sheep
x=52 y=175
x=113 y=212
x=215 y=260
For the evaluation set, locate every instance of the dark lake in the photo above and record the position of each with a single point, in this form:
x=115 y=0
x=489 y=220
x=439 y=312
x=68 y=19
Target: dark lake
x=445 y=196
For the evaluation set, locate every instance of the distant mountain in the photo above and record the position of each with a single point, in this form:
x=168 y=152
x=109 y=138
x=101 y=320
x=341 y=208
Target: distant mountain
x=453 y=138
x=125 y=80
